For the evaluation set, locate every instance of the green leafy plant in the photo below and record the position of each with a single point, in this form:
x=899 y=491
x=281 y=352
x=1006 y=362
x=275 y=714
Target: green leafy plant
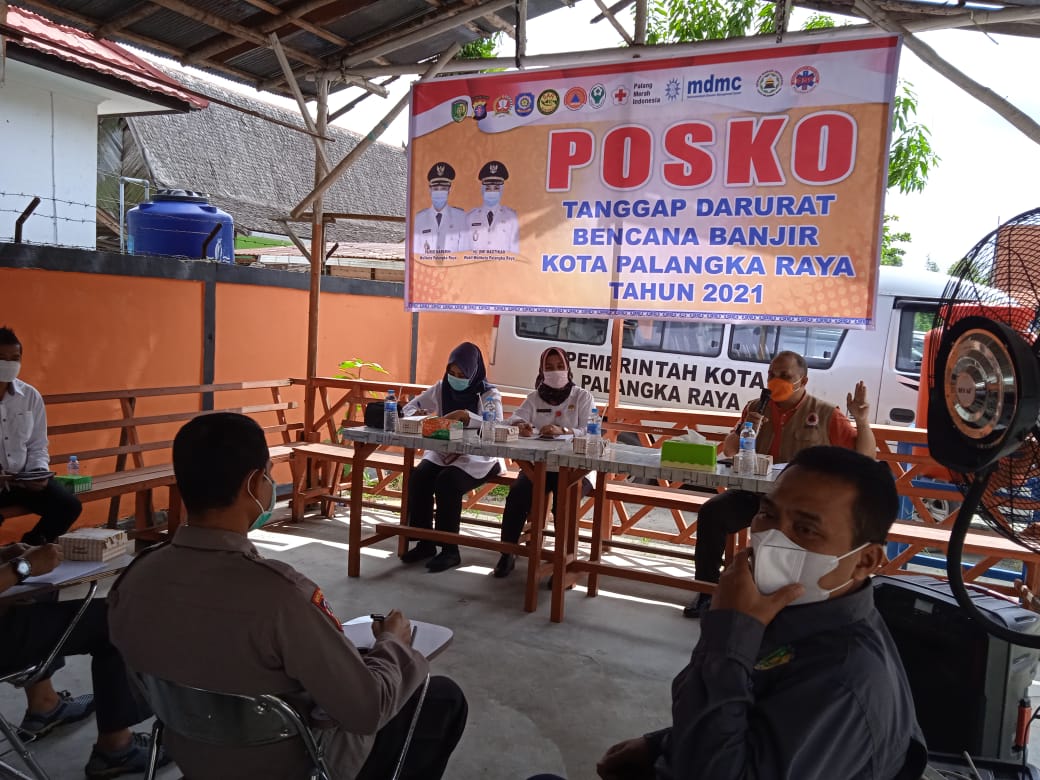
x=353 y=369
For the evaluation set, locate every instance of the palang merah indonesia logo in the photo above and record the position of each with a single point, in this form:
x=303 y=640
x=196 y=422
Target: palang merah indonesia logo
x=620 y=95
x=597 y=96
x=672 y=90
x=805 y=79
x=459 y=110
x=548 y=101
x=769 y=83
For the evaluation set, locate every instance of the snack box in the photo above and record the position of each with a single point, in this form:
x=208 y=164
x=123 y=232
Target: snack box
x=506 y=433
x=441 y=428
x=412 y=425
x=93 y=544
x=688 y=455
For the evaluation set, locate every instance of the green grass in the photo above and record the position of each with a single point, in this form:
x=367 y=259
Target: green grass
x=257 y=242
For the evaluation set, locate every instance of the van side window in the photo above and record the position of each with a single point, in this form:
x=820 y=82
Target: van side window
x=915 y=319
x=686 y=338
x=575 y=330
x=759 y=343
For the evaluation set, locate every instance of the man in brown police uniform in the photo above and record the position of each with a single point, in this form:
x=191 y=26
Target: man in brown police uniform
x=207 y=610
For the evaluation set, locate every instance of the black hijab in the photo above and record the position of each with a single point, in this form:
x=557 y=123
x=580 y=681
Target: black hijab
x=467 y=357
x=552 y=395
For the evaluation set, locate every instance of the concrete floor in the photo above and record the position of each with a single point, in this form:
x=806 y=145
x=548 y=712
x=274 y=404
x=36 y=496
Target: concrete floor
x=543 y=697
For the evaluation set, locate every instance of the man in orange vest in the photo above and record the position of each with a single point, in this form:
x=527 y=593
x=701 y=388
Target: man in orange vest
x=792 y=421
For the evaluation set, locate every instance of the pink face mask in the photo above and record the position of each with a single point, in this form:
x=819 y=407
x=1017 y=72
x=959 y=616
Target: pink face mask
x=555 y=379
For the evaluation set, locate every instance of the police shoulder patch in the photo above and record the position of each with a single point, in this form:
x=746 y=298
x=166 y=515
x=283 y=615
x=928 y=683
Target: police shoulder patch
x=318 y=600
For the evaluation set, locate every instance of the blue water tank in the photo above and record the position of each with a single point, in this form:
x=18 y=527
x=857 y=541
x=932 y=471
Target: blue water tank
x=181 y=223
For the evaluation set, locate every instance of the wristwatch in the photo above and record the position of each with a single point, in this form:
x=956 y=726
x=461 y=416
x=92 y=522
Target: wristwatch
x=22 y=569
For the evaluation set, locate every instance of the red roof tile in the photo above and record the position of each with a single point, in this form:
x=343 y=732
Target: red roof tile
x=86 y=51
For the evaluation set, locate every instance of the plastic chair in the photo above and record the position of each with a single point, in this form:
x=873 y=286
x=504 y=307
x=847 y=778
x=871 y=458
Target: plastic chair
x=23 y=678
x=230 y=719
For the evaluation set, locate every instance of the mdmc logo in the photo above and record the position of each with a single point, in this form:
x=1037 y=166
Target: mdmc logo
x=712 y=85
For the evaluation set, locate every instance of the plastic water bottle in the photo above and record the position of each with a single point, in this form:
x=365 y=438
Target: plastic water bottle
x=488 y=419
x=594 y=434
x=72 y=468
x=390 y=412
x=744 y=462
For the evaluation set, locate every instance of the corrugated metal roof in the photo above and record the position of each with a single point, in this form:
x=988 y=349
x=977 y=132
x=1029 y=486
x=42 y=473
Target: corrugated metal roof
x=85 y=51
x=232 y=34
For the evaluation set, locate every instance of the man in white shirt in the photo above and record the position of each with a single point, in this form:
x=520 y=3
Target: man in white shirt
x=441 y=228
x=23 y=450
x=492 y=226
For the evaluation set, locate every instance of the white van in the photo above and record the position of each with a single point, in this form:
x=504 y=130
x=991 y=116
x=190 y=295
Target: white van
x=708 y=365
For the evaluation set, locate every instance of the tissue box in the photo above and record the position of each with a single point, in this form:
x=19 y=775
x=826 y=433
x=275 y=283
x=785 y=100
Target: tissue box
x=441 y=428
x=763 y=465
x=93 y=544
x=412 y=425
x=506 y=433
x=77 y=484
x=688 y=455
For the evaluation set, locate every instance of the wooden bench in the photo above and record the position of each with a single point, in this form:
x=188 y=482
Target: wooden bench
x=141 y=479
x=991 y=546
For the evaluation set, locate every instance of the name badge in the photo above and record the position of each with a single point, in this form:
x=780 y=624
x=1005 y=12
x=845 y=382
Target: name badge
x=543 y=411
x=428 y=230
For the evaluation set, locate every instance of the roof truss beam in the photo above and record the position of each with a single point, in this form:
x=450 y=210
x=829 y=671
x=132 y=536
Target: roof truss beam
x=447 y=19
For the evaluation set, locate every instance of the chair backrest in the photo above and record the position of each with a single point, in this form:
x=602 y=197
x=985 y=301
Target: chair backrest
x=221 y=718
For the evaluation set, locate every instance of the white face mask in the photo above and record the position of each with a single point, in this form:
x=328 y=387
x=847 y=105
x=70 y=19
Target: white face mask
x=779 y=562
x=9 y=370
x=555 y=379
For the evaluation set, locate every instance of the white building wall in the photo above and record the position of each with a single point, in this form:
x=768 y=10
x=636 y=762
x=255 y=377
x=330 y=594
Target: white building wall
x=48 y=138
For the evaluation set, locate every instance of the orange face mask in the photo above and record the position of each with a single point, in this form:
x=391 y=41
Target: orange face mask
x=781 y=389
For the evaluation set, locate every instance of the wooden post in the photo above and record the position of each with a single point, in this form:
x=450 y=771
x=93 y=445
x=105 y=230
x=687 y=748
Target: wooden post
x=613 y=396
x=317 y=254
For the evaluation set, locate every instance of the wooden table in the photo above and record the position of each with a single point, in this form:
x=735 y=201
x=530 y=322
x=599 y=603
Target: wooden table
x=638 y=462
x=533 y=456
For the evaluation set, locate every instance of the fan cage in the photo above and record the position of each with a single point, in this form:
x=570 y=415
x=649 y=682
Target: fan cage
x=1000 y=279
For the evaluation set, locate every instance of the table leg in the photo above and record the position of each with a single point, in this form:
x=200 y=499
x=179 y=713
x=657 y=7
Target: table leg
x=566 y=536
x=357 y=490
x=599 y=515
x=142 y=510
x=406 y=476
x=536 y=473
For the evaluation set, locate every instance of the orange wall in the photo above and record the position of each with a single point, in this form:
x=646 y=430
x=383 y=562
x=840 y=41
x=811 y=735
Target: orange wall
x=440 y=333
x=83 y=332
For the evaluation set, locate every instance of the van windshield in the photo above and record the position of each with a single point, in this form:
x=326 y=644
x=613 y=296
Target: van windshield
x=760 y=343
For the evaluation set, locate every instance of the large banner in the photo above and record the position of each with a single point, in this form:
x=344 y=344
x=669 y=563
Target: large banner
x=744 y=184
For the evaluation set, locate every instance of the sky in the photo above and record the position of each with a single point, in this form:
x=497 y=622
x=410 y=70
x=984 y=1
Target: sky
x=989 y=171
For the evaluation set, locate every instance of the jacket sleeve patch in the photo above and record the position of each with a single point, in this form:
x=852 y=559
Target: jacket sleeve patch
x=318 y=600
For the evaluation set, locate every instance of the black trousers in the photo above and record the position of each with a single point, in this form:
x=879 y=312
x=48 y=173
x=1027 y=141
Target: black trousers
x=721 y=515
x=57 y=507
x=518 y=503
x=440 y=726
x=448 y=485
x=29 y=633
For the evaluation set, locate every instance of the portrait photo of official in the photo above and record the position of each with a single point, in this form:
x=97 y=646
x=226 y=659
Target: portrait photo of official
x=492 y=226
x=440 y=228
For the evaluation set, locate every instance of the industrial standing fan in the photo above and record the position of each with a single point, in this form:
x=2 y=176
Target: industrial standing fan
x=984 y=396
